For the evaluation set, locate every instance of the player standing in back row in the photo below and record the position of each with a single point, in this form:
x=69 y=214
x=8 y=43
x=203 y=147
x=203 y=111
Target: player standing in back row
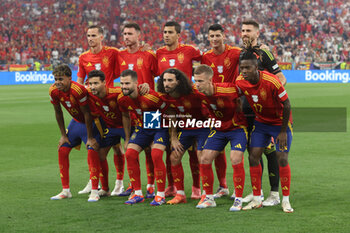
x=182 y=57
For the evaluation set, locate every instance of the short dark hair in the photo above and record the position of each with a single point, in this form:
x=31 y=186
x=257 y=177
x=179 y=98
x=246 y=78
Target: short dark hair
x=62 y=70
x=100 y=29
x=249 y=53
x=251 y=22
x=173 y=24
x=132 y=25
x=97 y=73
x=131 y=73
x=202 y=68
x=185 y=84
x=216 y=27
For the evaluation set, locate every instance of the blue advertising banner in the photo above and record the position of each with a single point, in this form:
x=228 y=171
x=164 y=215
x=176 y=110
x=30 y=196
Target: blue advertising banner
x=292 y=76
x=317 y=76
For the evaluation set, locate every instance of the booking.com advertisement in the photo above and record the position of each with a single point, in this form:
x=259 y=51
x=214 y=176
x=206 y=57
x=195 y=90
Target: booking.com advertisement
x=292 y=76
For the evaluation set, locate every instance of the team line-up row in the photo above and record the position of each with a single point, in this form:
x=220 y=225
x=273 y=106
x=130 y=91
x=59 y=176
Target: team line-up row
x=217 y=88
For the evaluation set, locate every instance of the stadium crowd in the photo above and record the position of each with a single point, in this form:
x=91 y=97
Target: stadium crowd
x=51 y=31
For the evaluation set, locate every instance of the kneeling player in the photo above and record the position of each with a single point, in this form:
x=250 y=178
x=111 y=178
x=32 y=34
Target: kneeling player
x=269 y=100
x=74 y=97
x=223 y=102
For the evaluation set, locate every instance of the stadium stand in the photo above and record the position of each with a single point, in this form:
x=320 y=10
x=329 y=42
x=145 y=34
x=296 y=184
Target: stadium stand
x=50 y=31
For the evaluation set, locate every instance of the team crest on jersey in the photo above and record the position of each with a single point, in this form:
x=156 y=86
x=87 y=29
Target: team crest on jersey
x=131 y=66
x=106 y=108
x=172 y=62
x=227 y=62
x=181 y=108
x=143 y=105
x=62 y=99
x=255 y=98
x=68 y=104
x=72 y=100
x=113 y=104
x=187 y=104
x=139 y=62
x=220 y=69
x=263 y=94
x=213 y=106
x=105 y=61
x=98 y=66
x=181 y=57
x=220 y=103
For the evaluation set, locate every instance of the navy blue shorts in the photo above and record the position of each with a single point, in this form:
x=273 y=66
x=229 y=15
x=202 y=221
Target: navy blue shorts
x=262 y=133
x=217 y=140
x=111 y=136
x=188 y=136
x=144 y=137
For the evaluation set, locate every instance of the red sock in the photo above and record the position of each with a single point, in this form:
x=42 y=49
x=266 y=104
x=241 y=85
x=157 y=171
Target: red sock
x=238 y=179
x=168 y=169
x=255 y=177
x=194 y=164
x=133 y=165
x=221 y=166
x=178 y=174
x=285 y=175
x=94 y=168
x=119 y=161
x=149 y=167
x=63 y=162
x=159 y=169
x=104 y=174
x=207 y=176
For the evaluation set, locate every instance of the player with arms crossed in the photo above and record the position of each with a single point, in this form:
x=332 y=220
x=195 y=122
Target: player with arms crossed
x=178 y=91
x=267 y=62
x=134 y=57
x=223 y=102
x=103 y=58
x=131 y=101
x=182 y=57
x=271 y=105
x=74 y=98
x=223 y=59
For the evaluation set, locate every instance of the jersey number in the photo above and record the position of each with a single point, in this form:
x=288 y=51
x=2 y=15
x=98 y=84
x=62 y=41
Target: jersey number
x=258 y=107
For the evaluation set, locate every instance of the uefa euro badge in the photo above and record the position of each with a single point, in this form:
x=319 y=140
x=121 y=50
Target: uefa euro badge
x=213 y=106
x=220 y=69
x=106 y=108
x=172 y=62
x=181 y=108
x=68 y=104
x=255 y=98
x=151 y=120
x=98 y=66
x=131 y=66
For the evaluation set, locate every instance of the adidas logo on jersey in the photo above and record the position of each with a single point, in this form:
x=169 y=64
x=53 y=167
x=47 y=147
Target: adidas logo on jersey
x=89 y=64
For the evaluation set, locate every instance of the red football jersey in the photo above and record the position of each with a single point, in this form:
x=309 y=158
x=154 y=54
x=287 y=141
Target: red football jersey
x=265 y=97
x=188 y=106
x=180 y=58
x=71 y=100
x=149 y=102
x=106 y=60
x=107 y=107
x=223 y=106
x=225 y=65
x=143 y=62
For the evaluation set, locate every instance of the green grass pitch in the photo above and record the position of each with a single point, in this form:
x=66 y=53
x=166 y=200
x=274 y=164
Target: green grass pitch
x=29 y=177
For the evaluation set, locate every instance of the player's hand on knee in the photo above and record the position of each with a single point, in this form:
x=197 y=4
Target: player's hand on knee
x=92 y=143
x=282 y=141
x=63 y=140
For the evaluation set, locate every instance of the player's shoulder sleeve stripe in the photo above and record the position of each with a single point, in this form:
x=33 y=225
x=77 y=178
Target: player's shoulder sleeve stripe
x=83 y=53
x=52 y=88
x=152 y=98
x=77 y=88
x=120 y=96
x=239 y=78
x=111 y=48
x=269 y=54
x=150 y=52
x=226 y=89
x=208 y=52
x=114 y=90
x=272 y=80
x=233 y=48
